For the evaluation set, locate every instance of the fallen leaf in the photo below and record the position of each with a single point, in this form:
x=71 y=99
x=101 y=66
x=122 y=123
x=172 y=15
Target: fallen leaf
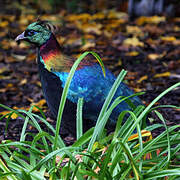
x=23 y=81
x=168 y=38
x=134 y=41
x=176 y=28
x=5 y=44
x=134 y=30
x=30 y=17
x=153 y=29
x=114 y=23
x=23 y=20
x=3 y=90
x=152 y=20
x=98 y=15
x=142 y=79
x=73 y=41
x=119 y=63
x=5 y=77
x=90 y=28
x=13 y=44
x=131 y=75
x=165 y=74
x=89 y=36
x=85 y=17
x=3 y=69
x=137 y=89
x=13 y=115
x=132 y=53
x=4 y=24
x=19 y=57
x=144 y=133
x=156 y=56
x=87 y=46
x=40 y=104
x=176 y=42
x=112 y=14
x=3 y=33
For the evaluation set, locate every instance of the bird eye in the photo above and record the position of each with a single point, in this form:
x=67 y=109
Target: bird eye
x=31 y=33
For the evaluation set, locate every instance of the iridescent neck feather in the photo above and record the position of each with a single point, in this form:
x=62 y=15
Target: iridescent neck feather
x=55 y=60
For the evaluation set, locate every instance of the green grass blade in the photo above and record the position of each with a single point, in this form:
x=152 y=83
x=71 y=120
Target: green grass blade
x=79 y=121
x=162 y=173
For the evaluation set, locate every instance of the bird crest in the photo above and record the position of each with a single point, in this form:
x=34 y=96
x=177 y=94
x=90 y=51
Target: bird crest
x=49 y=26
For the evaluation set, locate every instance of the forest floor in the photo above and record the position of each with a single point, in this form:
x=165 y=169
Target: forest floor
x=147 y=47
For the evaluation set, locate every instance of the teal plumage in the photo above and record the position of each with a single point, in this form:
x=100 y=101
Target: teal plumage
x=88 y=81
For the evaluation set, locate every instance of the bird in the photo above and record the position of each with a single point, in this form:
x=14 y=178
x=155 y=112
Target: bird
x=88 y=81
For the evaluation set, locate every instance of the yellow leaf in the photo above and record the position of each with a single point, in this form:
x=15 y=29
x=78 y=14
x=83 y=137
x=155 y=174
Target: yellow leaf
x=90 y=27
x=40 y=104
x=132 y=53
x=89 y=36
x=134 y=30
x=23 y=20
x=156 y=56
x=119 y=63
x=114 y=23
x=30 y=17
x=82 y=17
x=165 y=74
x=134 y=41
x=152 y=20
x=95 y=146
x=153 y=56
x=137 y=89
x=99 y=15
x=116 y=15
x=23 y=81
x=3 y=24
x=87 y=46
x=142 y=79
x=144 y=133
x=13 y=115
x=168 y=38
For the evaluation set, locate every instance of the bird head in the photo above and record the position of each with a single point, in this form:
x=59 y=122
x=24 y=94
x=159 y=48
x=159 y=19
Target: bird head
x=37 y=33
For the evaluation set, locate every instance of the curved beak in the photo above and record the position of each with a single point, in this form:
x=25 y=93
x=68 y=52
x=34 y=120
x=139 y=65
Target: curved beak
x=20 y=37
